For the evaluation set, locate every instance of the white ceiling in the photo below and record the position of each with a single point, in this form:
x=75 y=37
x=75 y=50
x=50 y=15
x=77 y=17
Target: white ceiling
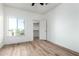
x=37 y=8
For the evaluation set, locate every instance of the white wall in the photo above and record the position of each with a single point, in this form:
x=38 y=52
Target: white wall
x=63 y=26
x=1 y=25
x=28 y=16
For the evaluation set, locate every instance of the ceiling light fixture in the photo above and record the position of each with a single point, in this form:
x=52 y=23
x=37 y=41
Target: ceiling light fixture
x=42 y=4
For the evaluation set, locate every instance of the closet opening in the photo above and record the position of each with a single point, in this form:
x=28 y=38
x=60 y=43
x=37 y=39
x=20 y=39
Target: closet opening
x=36 y=30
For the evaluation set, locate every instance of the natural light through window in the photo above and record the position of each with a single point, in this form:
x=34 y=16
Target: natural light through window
x=15 y=26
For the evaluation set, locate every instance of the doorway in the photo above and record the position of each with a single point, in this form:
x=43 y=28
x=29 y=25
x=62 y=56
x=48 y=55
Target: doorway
x=36 y=27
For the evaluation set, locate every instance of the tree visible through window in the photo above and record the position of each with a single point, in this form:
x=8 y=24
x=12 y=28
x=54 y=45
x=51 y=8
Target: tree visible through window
x=15 y=26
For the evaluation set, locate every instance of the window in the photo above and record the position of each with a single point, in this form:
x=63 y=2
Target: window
x=15 y=26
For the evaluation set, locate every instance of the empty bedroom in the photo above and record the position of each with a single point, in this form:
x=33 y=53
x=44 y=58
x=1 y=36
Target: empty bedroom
x=39 y=29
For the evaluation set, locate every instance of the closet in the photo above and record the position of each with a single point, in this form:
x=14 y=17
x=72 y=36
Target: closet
x=36 y=28
x=39 y=30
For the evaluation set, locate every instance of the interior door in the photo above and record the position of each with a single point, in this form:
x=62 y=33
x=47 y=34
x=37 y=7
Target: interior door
x=43 y=30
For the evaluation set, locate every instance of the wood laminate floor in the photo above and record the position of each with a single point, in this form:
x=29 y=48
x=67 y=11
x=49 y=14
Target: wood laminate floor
x=34 y=48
